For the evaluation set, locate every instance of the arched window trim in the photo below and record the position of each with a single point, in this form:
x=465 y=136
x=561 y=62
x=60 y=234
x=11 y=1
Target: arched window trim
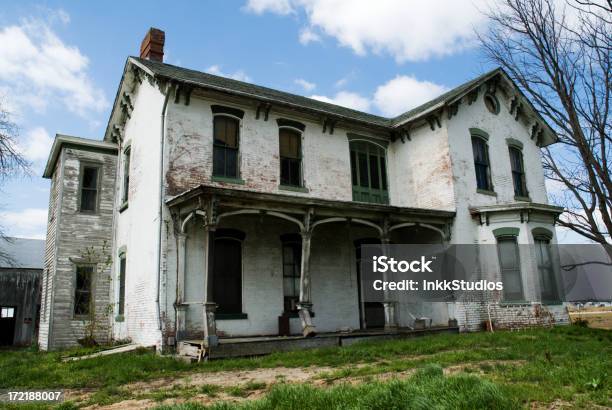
x=229 y=111
x=230 y=233
x=540 y=233
x=506 y=231
x=284 y=122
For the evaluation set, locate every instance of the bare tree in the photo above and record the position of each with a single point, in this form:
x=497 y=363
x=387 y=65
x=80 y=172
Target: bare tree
x=559 y=55
x=12 y=162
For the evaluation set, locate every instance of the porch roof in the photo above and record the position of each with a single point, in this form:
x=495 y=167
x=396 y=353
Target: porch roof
x=302 y=205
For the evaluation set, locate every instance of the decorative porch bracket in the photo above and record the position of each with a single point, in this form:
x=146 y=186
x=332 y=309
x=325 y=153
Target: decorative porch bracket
x=305 y=303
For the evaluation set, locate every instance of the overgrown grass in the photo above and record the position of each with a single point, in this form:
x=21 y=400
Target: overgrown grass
x=427 y=389
x=566 y=363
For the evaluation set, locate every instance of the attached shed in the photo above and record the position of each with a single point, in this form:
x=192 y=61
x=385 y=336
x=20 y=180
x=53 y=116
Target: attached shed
x=21 y=267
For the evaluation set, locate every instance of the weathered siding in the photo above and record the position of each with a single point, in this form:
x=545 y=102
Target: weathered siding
x=80 y=238
x=21 y=288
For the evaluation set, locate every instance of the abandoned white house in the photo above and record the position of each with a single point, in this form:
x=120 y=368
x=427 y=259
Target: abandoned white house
x=213 y=206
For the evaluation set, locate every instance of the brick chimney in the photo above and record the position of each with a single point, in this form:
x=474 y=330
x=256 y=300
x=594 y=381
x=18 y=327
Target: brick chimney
x=152 y=47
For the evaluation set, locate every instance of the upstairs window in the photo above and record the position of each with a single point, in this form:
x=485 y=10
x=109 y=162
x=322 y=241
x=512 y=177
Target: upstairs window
x=518 y=172
x=83 y=290
x=481 y=163
x=369 y=172
x=89 y=188
x=126 y=174
x=225 y=150
x=290 y=142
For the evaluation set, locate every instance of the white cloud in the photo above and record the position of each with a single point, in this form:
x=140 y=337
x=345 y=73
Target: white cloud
x=403 y=93
x=306 y=85
x=35 y=146
x=346 y=99
x=307 y=35
x=239 y=75
x=27 y=223
x=38 y=68
x=274 y=6
x=405 y=29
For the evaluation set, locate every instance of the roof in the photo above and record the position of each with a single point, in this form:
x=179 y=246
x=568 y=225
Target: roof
x=25 y=253
x=202 y=79
x=70 y=141
x=210 y=81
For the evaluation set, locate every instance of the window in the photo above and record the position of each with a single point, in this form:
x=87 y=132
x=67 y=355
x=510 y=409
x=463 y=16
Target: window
x=89 y=188
x=509 y=263
x=126 y=174
x=7 y=312
x=225 y=150
x=491 y=103
x=292 y=266
x=83 y=290
x=122 y=264
x=548 y=284
x=481 y=163
x=290 y=142
x=227 y=271
x=369 y=172
x=518 y=172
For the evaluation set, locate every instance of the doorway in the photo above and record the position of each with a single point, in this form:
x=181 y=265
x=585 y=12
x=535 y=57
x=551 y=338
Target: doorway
x=371 y=314
x=7 y=325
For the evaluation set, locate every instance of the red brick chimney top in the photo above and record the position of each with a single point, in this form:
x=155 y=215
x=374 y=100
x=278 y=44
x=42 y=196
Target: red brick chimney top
x=152 y=47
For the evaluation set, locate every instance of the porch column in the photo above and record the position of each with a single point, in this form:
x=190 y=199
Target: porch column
x=180 y=286
x=210 y=325
x=305 y=303
x=389 y=305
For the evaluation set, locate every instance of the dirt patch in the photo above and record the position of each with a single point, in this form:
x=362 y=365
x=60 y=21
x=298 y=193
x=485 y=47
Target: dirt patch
x=478 y=367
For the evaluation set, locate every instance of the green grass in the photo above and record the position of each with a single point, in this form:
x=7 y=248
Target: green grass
x=566 y=363
x=427 y=389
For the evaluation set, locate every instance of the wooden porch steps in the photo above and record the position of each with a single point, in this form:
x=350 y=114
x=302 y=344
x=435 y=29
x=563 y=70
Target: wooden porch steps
x=194 y=350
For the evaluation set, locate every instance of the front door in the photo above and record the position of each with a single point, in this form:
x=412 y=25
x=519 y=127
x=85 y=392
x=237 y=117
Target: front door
x=7 y=325
x=371 y=314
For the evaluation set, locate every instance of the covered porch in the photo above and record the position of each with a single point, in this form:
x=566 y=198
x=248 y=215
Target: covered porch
x=258 y=265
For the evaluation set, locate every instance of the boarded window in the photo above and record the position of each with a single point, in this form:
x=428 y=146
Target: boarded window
x=122 y=265
x=368 y=172
x=510 y=266
x=126 y=174
x=227 y=275
x=548 y=283
x=518 y=172
x=89 y=189
x=292 y=264
x=83 y=289
x=225 y=155
x=290 y=157
x=481 y=164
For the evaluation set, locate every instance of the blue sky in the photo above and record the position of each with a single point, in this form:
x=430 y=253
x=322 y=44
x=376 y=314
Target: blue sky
x=61 y=62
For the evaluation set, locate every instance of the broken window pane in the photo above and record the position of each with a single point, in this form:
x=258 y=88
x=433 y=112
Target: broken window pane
x=82 y=290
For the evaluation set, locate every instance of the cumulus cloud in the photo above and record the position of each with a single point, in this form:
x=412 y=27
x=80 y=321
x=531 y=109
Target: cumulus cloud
x=308 y=35
x=403 y=93
x=35 y=145
x=306 y=85
x=38 y=69
x=239 y=75
x=27 y=223
x=281 y=7
x=405 y=29
x=346 y=99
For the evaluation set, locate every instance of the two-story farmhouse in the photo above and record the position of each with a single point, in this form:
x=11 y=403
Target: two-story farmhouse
x=215 y=209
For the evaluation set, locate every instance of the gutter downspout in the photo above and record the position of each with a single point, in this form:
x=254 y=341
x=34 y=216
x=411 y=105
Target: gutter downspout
x=169 y=88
